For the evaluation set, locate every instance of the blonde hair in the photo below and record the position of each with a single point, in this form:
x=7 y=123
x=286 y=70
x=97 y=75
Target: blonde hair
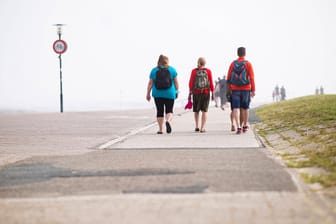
x=163 y=61
x=201 y=62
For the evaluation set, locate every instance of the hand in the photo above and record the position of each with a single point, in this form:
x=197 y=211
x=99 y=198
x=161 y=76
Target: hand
x=189 y=97
x=148 y=97
x=252 y=94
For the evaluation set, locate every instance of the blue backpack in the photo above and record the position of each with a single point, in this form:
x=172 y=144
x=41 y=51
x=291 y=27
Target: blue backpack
x=238 y=75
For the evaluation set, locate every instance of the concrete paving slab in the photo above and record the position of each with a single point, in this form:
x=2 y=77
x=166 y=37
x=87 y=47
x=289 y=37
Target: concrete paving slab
x=231 y=208
x=217 y=135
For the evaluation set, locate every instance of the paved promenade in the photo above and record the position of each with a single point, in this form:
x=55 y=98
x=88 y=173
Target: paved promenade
x=112 y=167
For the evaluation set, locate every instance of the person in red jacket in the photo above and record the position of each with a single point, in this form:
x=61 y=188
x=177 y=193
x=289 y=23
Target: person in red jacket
x=201 y=86
x=241 y=83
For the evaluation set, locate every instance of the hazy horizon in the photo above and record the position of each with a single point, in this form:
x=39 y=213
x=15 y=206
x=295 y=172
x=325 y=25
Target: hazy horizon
x=112 y=46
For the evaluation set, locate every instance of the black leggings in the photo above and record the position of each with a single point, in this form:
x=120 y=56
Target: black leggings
x=161 y=104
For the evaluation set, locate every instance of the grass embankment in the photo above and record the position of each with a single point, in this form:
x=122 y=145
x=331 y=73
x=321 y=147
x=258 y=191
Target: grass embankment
x=308 y=126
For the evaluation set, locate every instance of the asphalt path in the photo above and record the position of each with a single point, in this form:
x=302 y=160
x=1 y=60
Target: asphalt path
x=181 y=162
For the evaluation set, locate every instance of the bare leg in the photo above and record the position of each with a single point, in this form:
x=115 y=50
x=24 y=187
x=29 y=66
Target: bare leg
x=196 y=115
x=241 y=117
x=232 y=121
x=245 y=113
x=245 y=116
x=236 y=118
x=160 y=121
x=204 y=119
x=169 y=117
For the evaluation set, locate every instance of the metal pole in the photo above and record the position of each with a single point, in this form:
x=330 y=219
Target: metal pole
x=61 y=88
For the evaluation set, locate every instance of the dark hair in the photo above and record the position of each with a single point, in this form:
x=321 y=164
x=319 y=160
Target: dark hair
x=241 y=51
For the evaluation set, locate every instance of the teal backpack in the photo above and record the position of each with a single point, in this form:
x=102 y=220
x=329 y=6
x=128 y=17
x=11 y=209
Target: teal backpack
x=239 y=74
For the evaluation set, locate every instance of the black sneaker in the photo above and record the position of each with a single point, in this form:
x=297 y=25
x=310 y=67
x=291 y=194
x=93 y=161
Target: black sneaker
x=168 y=127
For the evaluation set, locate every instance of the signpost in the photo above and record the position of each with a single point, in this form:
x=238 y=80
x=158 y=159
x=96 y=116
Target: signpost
x=60 y=46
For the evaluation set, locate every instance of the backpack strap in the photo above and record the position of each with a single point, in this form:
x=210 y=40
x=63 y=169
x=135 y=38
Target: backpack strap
x=244 y=61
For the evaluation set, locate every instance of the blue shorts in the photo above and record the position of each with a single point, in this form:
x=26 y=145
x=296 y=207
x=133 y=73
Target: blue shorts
x=241 y=99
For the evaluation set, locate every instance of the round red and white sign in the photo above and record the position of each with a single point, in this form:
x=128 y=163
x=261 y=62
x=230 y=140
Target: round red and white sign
x=60 y=46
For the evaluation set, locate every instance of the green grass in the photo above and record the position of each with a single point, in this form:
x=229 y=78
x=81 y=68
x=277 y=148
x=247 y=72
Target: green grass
x=325 y=180
x=313 y=120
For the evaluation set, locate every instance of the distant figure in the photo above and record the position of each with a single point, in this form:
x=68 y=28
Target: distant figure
x=200 y=86
x=321 y=90
x=283 y=93
x=229 y=98
x=317 y=91
x=216 y=92
x=273 y=95
x=164 y=86
x=241 y=80
x=277 y=93
x=222 y=92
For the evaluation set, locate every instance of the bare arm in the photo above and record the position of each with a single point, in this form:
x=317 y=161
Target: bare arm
x=149 y=88
x=177 y=87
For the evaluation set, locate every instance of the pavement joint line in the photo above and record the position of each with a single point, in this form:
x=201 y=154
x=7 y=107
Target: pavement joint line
x=149 y=195
x=122 y=138
x=131 y=133
x=188 y=148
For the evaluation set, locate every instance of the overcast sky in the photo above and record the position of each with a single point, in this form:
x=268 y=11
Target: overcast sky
x=113 y=45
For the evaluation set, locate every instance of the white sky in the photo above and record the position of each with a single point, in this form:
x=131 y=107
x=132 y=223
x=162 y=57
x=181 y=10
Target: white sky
x=113 y=45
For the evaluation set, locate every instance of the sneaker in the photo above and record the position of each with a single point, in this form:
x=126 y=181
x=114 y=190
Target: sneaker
x=197 y=129
x=168 y=127
x=239 y=131
x=245 y=128
x=233 y=128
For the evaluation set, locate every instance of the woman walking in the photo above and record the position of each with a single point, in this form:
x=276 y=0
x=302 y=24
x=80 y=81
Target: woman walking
x=164 y=86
